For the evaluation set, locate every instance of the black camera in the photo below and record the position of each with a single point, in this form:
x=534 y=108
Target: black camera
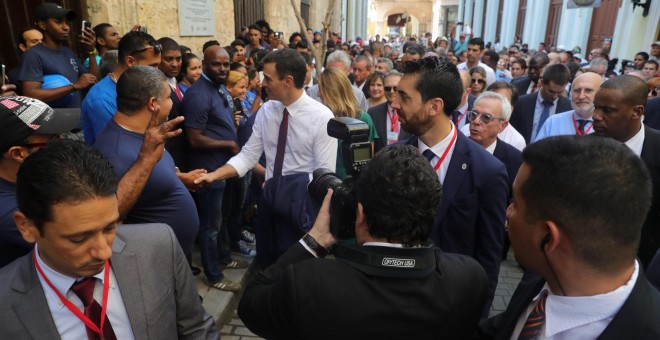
x=353 y=138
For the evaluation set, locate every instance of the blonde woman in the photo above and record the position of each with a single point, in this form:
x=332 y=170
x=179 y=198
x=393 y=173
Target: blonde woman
x=237 y=85
x=336 y=93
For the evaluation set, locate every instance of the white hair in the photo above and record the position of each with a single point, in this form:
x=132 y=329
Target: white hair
x=505 y=110
x=339 y=56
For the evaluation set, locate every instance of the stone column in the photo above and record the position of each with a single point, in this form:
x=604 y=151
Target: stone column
x=490 y=28
x=478 y=18
x=461 y=13
x=509 y=21
x=574 y=27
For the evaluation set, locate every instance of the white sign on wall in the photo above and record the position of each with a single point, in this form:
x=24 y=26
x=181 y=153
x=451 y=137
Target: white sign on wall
x=196 y=17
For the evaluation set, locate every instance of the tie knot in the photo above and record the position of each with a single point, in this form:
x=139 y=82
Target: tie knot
x=582 y=123
x=85 y=290
x=548 y=103
x=428 y=154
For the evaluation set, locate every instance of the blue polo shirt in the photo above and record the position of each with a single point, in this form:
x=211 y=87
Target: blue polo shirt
x=12 y=244
x=204 y=109
x=164 y=198
x=98 y=108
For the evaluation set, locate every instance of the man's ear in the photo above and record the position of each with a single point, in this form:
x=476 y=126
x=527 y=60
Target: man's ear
x=17 y=153
x=638 y=111
x=26 y=227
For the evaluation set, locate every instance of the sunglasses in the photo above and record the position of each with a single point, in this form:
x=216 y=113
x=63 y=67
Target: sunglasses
x=480 y=81
x=156 y=47
x=486 y=118
x=390 y=88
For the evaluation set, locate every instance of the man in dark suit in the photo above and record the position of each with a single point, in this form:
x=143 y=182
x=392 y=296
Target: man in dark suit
x=533 y=109
x=67 y=199
x=530 y=83
x=393 y=284
x=470 y=220
x=619 y=108
x=385 y=117
x=569 y=189
x=652 y=113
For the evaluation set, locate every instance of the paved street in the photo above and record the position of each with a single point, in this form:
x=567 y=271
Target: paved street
x=510 y=275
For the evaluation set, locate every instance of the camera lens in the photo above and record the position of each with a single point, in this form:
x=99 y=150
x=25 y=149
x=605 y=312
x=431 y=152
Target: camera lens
x=322 y=180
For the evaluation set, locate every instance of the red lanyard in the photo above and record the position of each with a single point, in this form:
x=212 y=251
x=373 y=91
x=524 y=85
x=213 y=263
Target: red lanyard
x=444 y=154
x=394 y=120
x=577 y=129
x=106 y=285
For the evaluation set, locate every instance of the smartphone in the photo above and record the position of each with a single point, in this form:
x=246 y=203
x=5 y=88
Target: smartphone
x=86 y=24
x=238 y=105
x=143 y=28
x=279 y=35
x=3 y=74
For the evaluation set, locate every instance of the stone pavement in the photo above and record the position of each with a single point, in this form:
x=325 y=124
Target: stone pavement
x=510 y=275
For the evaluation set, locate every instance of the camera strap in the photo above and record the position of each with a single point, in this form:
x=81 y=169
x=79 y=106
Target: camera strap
x=388 y=261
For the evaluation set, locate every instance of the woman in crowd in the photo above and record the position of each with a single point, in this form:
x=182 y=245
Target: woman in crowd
x=191 y=71
x=336 y=93
x=478 y=82
x=518 y=67
x=237 y=85
x=376 y=82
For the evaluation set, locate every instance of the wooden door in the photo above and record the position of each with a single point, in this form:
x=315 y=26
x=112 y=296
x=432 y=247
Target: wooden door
x=603 y=21
x=520 y=23
x=552 y=28
x=500 y=9
x=246 y=13
x=19 y=14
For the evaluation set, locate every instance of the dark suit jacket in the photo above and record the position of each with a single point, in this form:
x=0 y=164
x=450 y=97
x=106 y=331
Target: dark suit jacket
x=302 y=297
x=471 y=217
x=177 y=146
x=471 y=99
x=521 y=84
x=156 y=284
x=653 y=271
x=637 y=318
x=650 y=241
x=512 y=159
x=652 y=113
x=378 y=114
x=522 y=117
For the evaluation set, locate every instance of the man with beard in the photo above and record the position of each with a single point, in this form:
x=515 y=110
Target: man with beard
x=577 y=121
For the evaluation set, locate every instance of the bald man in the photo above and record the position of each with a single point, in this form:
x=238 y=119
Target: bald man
x=213 y=140
x=577 y=121
x=619 y=107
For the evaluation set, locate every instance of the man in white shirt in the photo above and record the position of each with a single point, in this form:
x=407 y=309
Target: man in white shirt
x=474 y=52
x=304 y=144
x=619 y=109
x=578 y=208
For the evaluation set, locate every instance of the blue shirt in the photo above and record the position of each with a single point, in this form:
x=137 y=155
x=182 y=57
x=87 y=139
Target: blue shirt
x=250 y=96
x=40 y=61
x=12 y=244
x=98 y=62
x=98 y=108
x=499 y=75
x=562 y=124
x=183 y=87
x=205 y=109
x=164 y=198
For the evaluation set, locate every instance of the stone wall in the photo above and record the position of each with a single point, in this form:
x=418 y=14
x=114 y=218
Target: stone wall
x=162 y=19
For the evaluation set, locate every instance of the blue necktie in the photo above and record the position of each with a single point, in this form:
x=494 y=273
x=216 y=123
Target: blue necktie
x=428 y=154
x=544 y=114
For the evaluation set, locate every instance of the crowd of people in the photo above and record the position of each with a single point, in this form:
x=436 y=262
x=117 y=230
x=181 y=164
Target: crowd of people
x=163 y=149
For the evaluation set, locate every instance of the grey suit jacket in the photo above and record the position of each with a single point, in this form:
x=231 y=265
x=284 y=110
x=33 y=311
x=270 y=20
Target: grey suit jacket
x=156 y=285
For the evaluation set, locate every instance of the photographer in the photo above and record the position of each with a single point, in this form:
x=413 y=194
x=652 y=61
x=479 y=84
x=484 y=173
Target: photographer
x=393 y=284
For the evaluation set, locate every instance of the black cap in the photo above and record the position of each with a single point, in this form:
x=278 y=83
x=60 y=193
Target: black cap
x=21 y=117
x=49 y=10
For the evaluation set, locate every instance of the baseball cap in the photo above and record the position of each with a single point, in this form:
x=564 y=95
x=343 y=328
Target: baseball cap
x=656 y=43
x=49 y=10
x=21 y=117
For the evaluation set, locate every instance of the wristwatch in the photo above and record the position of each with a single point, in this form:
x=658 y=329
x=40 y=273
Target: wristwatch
x=315 y=246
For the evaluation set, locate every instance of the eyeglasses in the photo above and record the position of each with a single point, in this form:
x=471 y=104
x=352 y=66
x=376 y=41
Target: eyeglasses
x=480 y=81
x=390 y=88
x=486 y=118
x=156 y=47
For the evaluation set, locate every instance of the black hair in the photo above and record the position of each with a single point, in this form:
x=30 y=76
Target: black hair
x=634 y=89
x=644 y=55
x=258 y=56
x=169 y=44
x=98 y=31
x=595 y=189
x=302 y=44
x=652 y=62
x=136 y=86
x=288 y=62
x=185 y=50
x=133 y=41
x=501 y=84
x=231 y=51
x=558 y=74
x=252 y=72
x=494 y=56
x=263 y=24
x=255 y=27
x=185 y=62
x=477 y=41
x=233 y=66
x=416 y=49
x=437 y=78
x=209 y=44
x=330 y=44
x=293 y=36
x=237 y=42
x=400 y=194
x=521 y=62
x=64 y=171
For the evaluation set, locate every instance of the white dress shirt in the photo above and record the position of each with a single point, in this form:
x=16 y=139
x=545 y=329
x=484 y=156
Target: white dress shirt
x=438 y=150
x=67 y=323
x=490 y=74
x=308 y=145
x=636 y=143
x=578 y=317
x=492 y=146
x=509 y=135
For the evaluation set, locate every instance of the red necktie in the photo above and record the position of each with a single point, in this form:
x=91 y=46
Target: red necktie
x=535 y=320
x=177 y=90
x=395 y=121
x=85 y=291
x=281 y=144
x=533 y=89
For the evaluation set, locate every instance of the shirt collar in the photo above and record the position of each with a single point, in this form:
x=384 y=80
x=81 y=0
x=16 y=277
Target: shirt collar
x=577 y=117
x=298 y=105
x=491 y=147
x=568 y=312
x=172 y=82
x=636 y=143
x=383 y=244
x=439 y=148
